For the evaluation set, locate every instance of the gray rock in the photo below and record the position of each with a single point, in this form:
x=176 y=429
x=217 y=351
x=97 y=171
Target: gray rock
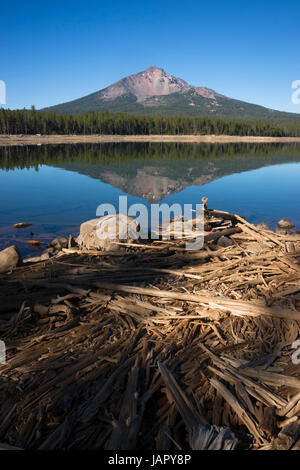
x=10 y=258
x=263 y=226
x=59 y=243
x=285 y=224
x=224 y=242
x=101 y=233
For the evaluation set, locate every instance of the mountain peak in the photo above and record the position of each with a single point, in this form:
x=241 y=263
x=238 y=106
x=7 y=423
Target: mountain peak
x=154 y=91
x=154 y=68
x=153 y=81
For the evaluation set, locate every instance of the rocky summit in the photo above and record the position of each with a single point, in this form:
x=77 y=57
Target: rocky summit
x=154 y=91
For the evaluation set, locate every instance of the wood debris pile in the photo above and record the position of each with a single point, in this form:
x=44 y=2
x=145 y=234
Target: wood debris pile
x=155 y=347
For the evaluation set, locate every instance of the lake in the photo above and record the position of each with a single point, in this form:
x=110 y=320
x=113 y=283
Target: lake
x=57 y=187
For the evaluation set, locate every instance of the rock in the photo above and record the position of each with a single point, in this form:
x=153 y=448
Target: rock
x=224 y=242
x=10 y=258
x=35 y=243
x=285 y=224
x=21 y=225
x=58 y=243
x=99 y=234
x=263 y=226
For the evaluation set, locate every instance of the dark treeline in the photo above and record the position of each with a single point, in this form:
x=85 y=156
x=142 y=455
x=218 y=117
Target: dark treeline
x=36 y=122
x=117 y=155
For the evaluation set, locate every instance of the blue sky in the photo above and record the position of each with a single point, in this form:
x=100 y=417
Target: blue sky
x=51 y=52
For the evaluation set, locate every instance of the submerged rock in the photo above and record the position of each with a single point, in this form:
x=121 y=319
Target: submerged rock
x=10 y=258
x=22 y=225
x=35 y=243
x=101 y=233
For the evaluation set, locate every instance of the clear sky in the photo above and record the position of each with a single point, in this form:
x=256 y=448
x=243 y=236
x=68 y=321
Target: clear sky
x=56 y=51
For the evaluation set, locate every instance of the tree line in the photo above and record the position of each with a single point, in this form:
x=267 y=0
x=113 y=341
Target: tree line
x=132 y=154
x=106 y=123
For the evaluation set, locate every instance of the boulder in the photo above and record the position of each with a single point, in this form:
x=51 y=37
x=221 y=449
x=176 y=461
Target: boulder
x=59 y=243
x=263 y=226
x=10 y=258
x=101 y=233
x=285 y=224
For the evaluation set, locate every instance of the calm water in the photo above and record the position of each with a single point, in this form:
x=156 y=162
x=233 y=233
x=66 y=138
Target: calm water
x=55 y=188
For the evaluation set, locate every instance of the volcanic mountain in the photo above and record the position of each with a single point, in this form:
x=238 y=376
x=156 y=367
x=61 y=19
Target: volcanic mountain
x=155 y=171
x=154 y=91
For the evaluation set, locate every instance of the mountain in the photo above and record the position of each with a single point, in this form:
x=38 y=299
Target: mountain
x=154 y=91
x=139 y=173
x=151 y=171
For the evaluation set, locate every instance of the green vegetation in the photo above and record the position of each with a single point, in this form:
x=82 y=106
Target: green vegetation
x=188 y=103
x=35 y=122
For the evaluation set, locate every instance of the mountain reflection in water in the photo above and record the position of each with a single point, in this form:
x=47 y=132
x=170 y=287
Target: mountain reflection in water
x=57 y=187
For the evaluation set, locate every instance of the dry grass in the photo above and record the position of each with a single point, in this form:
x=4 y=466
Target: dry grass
x=72 y=139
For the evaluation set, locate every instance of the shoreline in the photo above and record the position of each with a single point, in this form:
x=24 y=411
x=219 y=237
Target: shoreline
x=7 y=140
x=140 y=319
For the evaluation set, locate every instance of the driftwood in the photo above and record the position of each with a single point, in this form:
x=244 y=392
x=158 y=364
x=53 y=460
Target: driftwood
x=155 y=347
x=201 y=435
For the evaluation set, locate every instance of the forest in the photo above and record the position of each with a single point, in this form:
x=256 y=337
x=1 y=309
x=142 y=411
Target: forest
x=29 y=122
x=126 y=157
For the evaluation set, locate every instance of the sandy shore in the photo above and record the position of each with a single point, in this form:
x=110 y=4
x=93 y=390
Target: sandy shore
x=74 y=139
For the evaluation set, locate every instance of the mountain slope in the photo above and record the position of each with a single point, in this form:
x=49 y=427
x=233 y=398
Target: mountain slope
x=154 y=91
